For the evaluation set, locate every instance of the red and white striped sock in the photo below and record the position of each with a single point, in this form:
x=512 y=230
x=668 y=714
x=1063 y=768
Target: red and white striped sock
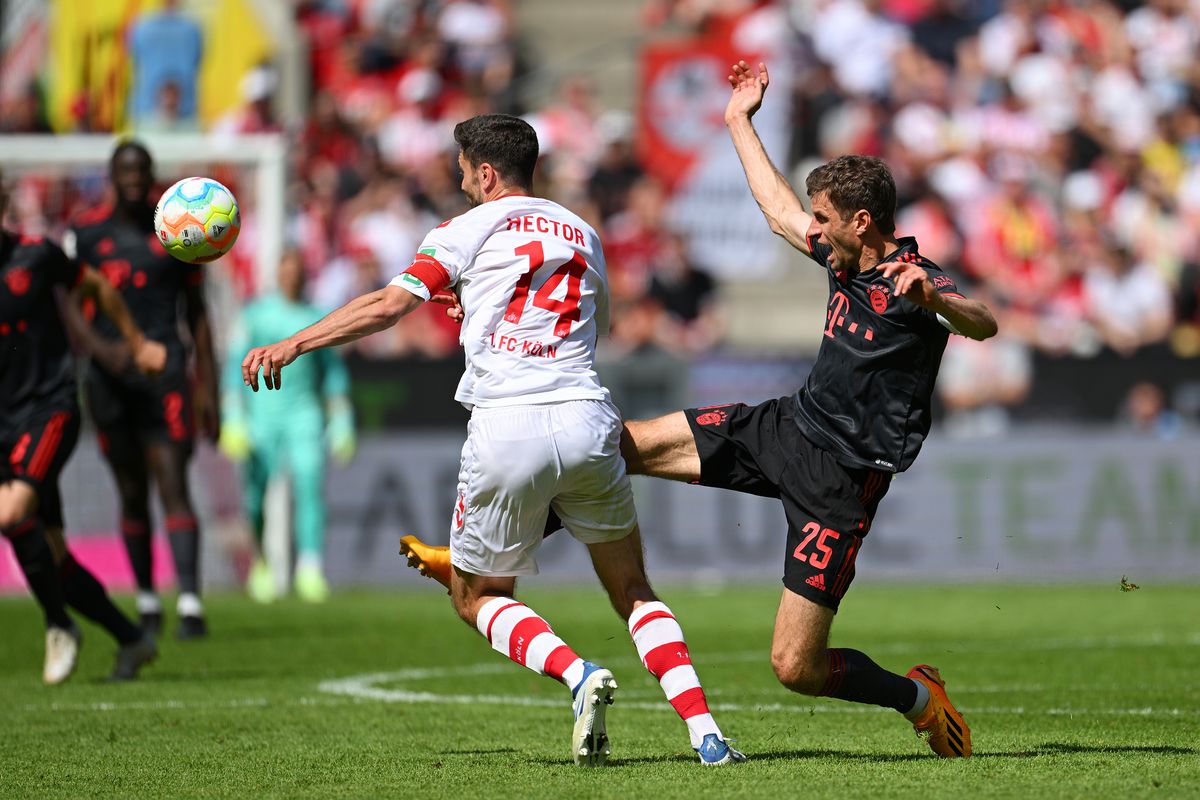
x=659 y=642
x=516 y=630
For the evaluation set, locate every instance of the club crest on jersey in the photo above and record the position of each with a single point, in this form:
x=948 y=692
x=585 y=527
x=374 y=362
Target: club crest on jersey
x=711 y=417
x=879 y=298
x=18 y=280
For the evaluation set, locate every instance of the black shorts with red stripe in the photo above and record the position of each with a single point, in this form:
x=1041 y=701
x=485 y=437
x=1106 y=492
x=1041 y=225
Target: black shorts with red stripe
x=134 y=408
x=829 y=507
x=36 y=446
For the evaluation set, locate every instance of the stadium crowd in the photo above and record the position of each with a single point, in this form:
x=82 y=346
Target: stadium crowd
x=1046 y=150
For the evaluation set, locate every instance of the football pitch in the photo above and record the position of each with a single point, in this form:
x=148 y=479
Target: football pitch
x=1070 y=692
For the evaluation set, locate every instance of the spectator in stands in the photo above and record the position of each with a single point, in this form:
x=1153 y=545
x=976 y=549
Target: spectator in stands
x=257 y=113
x=1145 y=411
x=166 y=117
x=1128 y=302
x=618 y=168
x=165 y=45
x=693 y=319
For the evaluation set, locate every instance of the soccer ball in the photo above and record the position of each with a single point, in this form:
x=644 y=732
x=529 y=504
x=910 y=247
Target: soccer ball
x=197 y=220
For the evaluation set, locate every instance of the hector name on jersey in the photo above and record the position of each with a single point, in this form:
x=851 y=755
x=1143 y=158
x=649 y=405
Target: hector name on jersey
x=533 y=285
x=867 y=399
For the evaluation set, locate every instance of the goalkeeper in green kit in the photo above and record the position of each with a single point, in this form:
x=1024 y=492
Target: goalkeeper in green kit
x=287 y=432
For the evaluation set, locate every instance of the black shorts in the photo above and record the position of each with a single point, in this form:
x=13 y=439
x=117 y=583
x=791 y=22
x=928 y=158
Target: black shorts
x=36 y=448
x=141 y=409
x=829 y=507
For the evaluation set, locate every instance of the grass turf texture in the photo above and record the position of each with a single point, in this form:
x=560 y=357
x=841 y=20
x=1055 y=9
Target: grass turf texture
x=1070 y=692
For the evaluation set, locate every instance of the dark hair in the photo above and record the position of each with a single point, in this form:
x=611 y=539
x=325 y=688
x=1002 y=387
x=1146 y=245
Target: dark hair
x=126 y=145
x=508 y=143
x=858 y=182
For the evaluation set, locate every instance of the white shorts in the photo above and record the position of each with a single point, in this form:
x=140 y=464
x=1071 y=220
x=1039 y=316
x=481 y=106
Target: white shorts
x=520 y=461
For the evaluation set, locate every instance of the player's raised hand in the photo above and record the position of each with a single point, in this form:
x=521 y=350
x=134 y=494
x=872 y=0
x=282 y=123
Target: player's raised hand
x=271 y=359
x=449 y=299
x=749 y=86
x=912 y=283
x=150 y=357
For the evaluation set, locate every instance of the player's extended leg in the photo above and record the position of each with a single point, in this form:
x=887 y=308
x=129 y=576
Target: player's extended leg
x=84 y=593
x=658 y=638
x=804 y=663
x=516 y=631
x=306 y=457
x=20 y=525
x=127 y=462
x=433 y=561
x=168 y=462
x=256 y=474
x=663 y=447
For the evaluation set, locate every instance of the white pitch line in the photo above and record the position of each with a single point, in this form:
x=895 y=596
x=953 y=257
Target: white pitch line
x=366 y=687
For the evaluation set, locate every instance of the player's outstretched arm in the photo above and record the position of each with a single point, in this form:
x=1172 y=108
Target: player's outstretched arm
x=775 y=197
x=149 y=357
x=361 y=317
x=970 y=318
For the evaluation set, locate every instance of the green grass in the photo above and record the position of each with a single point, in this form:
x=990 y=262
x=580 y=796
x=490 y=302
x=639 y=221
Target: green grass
x=1070 y=692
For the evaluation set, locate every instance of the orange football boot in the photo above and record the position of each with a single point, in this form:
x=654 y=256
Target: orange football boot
x=432 y=562
x=940 y=724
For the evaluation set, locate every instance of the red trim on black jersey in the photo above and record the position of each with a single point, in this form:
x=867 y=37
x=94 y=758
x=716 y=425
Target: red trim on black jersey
x=47 y=446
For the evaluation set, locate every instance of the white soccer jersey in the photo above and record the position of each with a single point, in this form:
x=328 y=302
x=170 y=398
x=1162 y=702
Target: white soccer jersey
x=533 y=284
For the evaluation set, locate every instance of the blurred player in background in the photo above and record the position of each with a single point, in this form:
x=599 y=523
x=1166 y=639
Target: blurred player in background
x=829 y=451
x=543 y=433
x=39 y=425
x=287 y=434
x=146 y=427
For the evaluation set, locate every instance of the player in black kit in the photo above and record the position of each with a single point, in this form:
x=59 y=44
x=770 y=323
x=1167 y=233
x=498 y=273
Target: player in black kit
x=39 y=425
x=829 y=451
x=146 y=427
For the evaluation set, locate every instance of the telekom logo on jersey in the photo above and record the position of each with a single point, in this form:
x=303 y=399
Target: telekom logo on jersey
x=839 y=306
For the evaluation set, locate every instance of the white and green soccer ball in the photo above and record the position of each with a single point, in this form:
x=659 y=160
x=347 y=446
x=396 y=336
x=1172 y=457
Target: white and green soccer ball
x=197 y=220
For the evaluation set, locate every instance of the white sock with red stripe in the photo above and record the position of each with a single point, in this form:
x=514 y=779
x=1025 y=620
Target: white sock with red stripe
x=659 y=642
x=515 y=630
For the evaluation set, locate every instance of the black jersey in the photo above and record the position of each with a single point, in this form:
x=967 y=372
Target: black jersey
x=35 y=361
x=151 y=282
x=867 y=399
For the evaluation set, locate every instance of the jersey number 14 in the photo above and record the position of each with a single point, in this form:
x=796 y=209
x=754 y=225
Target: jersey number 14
x=568 y=308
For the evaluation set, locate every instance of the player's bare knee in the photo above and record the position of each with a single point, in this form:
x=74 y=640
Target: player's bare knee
x=797 y=672
x=17 y=504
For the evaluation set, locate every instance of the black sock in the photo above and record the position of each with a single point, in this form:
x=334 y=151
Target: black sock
x=184 y=535
x=136 y=535
x=855 y=677
x=86 y=595
x=37 y=562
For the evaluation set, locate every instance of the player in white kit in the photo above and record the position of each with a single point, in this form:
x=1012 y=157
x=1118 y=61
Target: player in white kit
x=543 y=432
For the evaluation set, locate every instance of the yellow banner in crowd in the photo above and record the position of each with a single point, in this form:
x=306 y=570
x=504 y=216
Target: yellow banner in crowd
x=89 y=75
